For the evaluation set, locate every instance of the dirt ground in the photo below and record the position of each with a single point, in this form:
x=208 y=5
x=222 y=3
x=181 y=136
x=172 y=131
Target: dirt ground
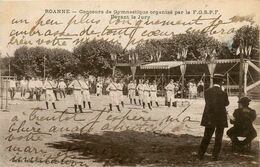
x=32 y=136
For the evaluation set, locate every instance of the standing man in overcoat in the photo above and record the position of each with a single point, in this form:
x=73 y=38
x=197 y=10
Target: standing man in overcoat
x=214 y=117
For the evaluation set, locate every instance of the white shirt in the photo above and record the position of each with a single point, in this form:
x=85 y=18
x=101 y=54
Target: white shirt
x=38 y=84
x=140 y=87
x=23 y=83
x=85 y=85
x=99 y=85
x=146 y=88
x=130 y=86
x=170 y=87
x=31 y=84
x=12 y=84
x=75 y=84
x=112 y=87
x=48 y=84
x=153 y=88
x=119 y=87
x=62 y=85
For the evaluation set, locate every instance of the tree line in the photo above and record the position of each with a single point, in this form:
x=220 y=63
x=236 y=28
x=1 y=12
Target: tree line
x=94 y=57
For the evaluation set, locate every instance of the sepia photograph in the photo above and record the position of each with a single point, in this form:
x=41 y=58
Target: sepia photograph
x=129 y=83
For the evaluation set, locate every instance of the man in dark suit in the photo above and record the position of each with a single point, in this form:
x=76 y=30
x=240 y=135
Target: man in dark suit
x=243 y=124
x=214 y=117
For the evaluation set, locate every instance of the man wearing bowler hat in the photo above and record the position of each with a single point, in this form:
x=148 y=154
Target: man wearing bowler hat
x=214 y=117
x=243 y=124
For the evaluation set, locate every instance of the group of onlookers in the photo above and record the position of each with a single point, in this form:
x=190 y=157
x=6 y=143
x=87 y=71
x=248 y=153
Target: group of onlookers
x=33 y=88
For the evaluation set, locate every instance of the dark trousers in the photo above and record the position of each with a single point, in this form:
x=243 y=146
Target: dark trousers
x=12 y=93
x=55 y=94
x=62 y=93
x=207 y=137
x=38 y=93
x=31 y=93
x=235 y=132
x=23 y=91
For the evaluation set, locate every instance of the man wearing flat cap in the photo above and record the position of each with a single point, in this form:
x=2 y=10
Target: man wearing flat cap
x=214 y=117
x=243 y=124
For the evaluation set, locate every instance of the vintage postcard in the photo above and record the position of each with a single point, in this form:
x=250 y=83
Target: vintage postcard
x=129 y=83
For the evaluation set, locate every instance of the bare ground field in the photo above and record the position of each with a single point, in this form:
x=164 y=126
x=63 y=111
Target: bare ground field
x=32 y=136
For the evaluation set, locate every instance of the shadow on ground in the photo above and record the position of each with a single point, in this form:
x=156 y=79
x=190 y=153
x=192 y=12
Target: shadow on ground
x=132 y=148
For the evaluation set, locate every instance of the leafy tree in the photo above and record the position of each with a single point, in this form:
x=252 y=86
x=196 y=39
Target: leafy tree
x=151 y=49
x=196 y=44
x=224 y=52
x=247 y=36
x=61 y=62
x=29 y=62
x=23 y=63
x=95 y=57
x=4 y=64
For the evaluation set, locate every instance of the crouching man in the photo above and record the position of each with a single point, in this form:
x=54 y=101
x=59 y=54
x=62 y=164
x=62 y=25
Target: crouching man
x=243 y=124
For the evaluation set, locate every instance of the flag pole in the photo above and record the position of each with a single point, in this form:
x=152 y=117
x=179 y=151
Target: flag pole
x=1 y=85
x=44 y=68
x=241 y=72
